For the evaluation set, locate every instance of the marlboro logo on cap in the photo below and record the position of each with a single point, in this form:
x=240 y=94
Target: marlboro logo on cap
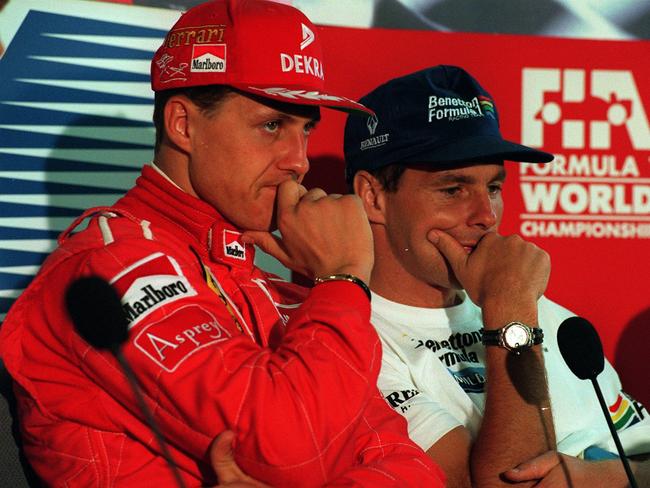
x=208 y=58
x=257 y=46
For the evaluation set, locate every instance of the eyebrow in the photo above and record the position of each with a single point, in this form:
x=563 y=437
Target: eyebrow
x=451 y=177
x=313 y=119
x=293 y=111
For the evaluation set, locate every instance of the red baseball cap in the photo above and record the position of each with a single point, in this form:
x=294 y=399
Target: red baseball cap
x=261 y=47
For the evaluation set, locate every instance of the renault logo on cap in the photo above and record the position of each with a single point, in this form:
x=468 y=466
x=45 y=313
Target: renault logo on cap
x=372 y=123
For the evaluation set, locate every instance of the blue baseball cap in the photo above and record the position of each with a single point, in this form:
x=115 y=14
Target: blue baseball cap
x=439 y=116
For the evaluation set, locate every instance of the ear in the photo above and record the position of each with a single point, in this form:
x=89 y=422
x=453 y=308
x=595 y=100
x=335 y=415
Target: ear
x=372 y=194
x=178 y=111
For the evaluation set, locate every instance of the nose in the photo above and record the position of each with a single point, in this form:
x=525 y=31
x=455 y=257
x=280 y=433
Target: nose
x=294 y=153
x=484 y=211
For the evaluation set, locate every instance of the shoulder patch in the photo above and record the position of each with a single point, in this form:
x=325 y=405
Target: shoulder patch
x=185 y=331
x=150 y=283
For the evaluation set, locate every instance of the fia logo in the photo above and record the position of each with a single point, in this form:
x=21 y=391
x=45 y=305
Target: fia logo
x=583 y=106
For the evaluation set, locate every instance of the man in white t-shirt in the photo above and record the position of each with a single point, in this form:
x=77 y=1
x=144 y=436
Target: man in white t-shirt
x=470 y=355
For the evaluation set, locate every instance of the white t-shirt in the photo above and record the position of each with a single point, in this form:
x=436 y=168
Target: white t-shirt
x=433 y=373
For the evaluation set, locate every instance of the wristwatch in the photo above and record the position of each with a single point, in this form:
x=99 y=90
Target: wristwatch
x=514 y=337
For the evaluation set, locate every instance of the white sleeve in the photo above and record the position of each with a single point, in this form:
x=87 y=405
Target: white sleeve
x=578 y=417
x=630 y=418
x=428 y=420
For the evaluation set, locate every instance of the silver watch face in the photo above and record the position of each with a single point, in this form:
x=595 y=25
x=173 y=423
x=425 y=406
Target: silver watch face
x=516 y=336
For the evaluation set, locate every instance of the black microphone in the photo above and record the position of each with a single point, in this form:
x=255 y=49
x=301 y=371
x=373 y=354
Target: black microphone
x=582 y=351
x=96 y=312
x=581 y=348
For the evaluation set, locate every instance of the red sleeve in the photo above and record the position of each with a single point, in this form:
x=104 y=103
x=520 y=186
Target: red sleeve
x=303 y=412
x=387 y=456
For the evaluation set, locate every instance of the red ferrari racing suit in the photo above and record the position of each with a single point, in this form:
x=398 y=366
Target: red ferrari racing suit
x=216 y=344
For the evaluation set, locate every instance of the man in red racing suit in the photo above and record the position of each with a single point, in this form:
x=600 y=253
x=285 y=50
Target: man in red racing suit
x=217 y=344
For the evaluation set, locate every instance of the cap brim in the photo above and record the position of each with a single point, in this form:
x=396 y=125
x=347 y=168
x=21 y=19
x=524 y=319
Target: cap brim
x=301 y=96
x=474 y=149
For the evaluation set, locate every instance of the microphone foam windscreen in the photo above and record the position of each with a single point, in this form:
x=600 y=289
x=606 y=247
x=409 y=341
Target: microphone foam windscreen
x=96 y=312
x=581 y=347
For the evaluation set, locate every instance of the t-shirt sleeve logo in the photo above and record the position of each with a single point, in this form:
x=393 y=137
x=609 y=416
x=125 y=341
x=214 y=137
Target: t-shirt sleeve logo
x=626 y=411
x=150 y=283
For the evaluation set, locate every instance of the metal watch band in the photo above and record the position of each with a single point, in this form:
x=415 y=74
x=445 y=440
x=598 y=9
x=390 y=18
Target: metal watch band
x=490 y=337
x=538 y=336
x=344 y=277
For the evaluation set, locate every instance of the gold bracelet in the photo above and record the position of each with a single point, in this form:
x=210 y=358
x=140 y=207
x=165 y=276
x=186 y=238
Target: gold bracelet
x=344 y=277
